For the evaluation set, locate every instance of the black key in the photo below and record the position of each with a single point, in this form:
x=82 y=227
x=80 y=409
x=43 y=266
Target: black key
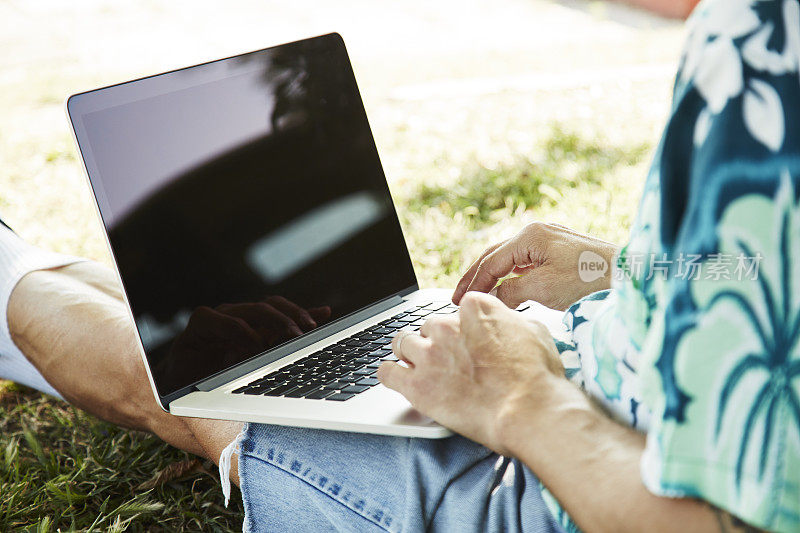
x=355 y=389
x=368 y=382
x=261 y=389
x=339 y=397
x=396 y=324
x=280 y=391
x=293 y=383
x=347 y=358
x=383 y=331
x=406 y=319
x=369 y=337
x=399 y=315
x=381 y=352
x=302 y=391
x=350 y=379
x=375 y=365
x=354 y=342
x=336 y=349
x=365 y=360
x=389 y=357
x=241 y=389
x=336 y=385
x=319 y=394
x=377 y=345
x=365 y=372
x=362 y=349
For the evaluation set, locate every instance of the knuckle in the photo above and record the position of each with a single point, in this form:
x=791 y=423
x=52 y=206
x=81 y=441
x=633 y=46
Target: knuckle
x=470 y=302
x=535 y=229
x=435 y=324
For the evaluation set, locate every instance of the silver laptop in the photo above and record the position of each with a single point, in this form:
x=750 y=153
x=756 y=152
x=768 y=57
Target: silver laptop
x=259 y=250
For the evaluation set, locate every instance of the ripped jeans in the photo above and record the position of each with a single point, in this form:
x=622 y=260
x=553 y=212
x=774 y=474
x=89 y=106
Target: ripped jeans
x=295 y=479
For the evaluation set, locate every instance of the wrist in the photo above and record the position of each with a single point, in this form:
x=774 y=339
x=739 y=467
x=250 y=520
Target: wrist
x=527 y=414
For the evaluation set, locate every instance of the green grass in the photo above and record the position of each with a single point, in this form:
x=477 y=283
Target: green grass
x=565 y=161
x=63 y=469
x=583 y=183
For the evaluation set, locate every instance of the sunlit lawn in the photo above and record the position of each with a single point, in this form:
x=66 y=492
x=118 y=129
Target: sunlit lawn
x=62 y=469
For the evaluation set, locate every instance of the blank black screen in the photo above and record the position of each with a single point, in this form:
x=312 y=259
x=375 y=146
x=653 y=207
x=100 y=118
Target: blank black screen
x=244 y=201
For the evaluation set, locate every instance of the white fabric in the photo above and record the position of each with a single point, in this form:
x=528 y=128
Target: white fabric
x=18 y=258
x=225 y=459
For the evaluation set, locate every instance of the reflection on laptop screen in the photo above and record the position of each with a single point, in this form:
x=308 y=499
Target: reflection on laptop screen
x=245 y=204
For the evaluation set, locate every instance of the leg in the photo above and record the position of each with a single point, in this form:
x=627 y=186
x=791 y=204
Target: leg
x=295 y=479
x=73 y=326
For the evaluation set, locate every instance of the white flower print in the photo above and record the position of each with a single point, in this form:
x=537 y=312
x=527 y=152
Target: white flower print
x=719 y=74
x=763 y=114
x=715 y=65
x=758 y=56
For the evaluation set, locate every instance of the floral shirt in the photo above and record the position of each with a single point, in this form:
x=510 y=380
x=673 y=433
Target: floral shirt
x=697 y=345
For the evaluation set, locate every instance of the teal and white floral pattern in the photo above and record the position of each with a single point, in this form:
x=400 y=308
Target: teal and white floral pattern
x=709 y=368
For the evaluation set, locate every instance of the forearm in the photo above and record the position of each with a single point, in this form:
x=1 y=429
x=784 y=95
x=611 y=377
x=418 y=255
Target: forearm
x=591 y=464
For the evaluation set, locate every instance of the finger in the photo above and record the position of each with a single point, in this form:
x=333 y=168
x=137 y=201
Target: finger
x=224 y=327
x=510 y=292
x=494 y=266
x=320 y=314
x=262 y=316
x=300 y=316
x=410 y=347
x=394 y=376
x=475 y=308
x=469 y=275
x=436 y=326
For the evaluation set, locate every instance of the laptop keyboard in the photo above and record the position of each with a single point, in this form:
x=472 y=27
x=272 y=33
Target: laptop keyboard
x=340 y=371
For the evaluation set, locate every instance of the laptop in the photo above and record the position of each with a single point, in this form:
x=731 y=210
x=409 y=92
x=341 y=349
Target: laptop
x=251 y=225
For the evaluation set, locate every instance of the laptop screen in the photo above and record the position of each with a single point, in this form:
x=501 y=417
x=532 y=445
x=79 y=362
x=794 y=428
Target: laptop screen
x=244 y=201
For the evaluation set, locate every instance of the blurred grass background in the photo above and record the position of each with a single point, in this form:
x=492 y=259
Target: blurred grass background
x=487 y=116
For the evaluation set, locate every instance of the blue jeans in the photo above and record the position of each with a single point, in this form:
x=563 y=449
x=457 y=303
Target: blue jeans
x=295 y=479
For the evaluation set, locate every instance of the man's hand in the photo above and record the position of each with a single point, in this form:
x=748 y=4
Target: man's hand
x=467 y=372
x=495 y=378
x=546 y=259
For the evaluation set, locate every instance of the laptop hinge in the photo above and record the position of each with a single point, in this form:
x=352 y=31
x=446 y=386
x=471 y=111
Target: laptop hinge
x=307 y=340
